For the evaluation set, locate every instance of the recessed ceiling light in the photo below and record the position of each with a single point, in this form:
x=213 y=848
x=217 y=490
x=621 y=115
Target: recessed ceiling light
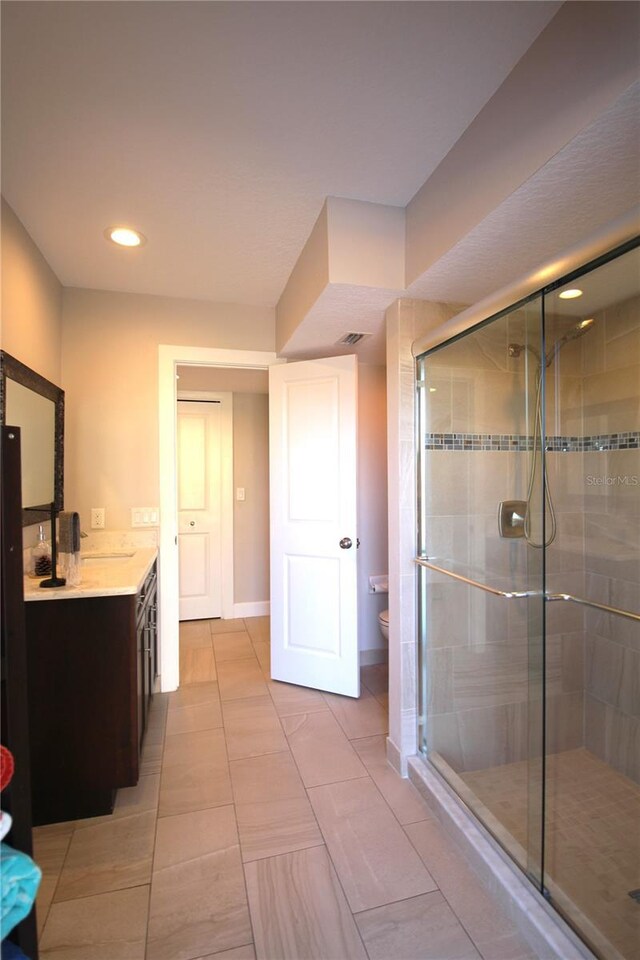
x=125 y=236
x=570 y=294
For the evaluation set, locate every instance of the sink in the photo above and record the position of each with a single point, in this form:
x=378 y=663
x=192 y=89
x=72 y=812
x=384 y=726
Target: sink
x=110 y=557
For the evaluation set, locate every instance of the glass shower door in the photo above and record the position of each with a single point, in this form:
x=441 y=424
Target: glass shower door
x=592 y=788
x=481 y=451
x=529 y=588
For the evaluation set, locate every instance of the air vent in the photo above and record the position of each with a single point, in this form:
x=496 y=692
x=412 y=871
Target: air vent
x=351 y=338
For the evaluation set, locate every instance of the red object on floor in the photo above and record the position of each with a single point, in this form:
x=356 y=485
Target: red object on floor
x=7 y=766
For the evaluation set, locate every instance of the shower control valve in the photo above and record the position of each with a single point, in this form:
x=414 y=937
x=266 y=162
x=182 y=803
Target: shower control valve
x=511 y=516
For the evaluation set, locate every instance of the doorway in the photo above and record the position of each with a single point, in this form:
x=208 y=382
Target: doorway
x=205 y=501
x=169 y=359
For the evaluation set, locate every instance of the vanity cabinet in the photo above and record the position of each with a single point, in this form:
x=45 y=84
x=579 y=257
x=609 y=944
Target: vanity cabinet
x=146 y=647
x=90 y=681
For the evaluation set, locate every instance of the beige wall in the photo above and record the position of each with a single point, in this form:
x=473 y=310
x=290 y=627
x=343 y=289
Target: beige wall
x=251 y=516
x=31 y=301
x=110 y=375
x=373 y=558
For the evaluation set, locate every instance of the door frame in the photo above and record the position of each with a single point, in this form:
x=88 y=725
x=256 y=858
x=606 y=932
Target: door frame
x=169 y=358
x=226 y=483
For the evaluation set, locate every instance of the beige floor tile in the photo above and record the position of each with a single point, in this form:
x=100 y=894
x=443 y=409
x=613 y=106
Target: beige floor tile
x=46 y=890
x=189 y=696
x=298 y=909
x=232 y=646
x=151 y=759
x=241 y=678
x=400 y=794
x=108 y=856
x=289 y=699
x=362 y=717
x=321 y=750
x=195 y=633
x=272 y=777
x=375 y=678
x=495 y=936
x=252 y=728
x=197 y=665
x=374 y=860
x=263 y=653
x=139 y=799
x=195 y=773
x=50 y=845
x=226 y=626
x=198 y=900
x=258 y=628
x=273 y=827
x=423 y=927
x=143 y=798
x=110 y=926
x=238 y=953
x=197 y=716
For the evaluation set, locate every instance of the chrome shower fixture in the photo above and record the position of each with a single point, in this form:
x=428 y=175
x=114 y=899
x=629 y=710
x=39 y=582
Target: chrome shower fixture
x=577 y=330
x=515 y=350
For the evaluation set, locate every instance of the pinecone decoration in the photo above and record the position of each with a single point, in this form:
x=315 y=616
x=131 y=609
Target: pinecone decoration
x=42 y=566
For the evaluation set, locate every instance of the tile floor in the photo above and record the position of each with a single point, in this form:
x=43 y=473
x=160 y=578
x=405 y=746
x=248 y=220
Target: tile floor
x=266 y=824
x=592 y=837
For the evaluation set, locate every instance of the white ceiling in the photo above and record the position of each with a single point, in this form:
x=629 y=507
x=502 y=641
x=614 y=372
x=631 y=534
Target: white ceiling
x=218 y=129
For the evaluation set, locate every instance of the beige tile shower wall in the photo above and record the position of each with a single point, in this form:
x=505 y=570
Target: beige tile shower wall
x=481 y=648
x=611 y=483
x=483 y=693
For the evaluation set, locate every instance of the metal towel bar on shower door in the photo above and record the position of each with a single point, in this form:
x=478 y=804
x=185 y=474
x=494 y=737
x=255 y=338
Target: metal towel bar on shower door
x=524 y=594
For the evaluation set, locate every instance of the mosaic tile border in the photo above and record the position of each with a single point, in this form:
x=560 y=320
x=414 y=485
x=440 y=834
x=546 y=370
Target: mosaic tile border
x=523 y=443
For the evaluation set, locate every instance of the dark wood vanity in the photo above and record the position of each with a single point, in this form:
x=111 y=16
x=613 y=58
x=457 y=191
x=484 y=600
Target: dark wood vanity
x=92 y=669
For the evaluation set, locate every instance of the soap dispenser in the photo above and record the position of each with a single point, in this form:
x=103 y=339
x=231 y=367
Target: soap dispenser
x=41 y=556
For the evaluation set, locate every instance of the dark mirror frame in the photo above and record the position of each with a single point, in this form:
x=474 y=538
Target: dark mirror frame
x=14 y=370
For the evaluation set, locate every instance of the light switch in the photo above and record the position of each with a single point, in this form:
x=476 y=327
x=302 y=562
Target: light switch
x=240 y=493
x=144 y=516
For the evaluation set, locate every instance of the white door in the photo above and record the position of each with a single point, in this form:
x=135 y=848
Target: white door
x=200 y=509
x=313 y=451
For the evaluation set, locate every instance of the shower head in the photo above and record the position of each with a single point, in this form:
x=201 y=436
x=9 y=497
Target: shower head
x=577 y=330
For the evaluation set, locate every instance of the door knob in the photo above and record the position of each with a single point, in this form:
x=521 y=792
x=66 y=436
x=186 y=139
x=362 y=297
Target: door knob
x=346 y=542
x=192 y=523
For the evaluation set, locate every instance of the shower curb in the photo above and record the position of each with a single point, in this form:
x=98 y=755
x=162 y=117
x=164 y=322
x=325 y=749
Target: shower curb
x=544 y=929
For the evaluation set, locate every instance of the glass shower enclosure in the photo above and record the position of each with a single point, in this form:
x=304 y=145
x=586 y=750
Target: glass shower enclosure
x=529 y=596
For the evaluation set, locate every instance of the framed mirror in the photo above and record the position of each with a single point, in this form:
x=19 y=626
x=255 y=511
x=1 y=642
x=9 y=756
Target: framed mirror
x=36 y=405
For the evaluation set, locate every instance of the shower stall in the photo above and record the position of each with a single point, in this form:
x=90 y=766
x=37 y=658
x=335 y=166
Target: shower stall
x=529 y=595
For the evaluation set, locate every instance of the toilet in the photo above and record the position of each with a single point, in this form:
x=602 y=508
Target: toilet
x=383 y=623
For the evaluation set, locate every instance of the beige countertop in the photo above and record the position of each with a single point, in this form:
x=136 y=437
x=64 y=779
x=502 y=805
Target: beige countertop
x=103 y=574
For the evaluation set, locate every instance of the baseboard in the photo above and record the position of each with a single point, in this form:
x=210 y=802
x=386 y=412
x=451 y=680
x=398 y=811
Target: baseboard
x=254 y=608
x=394 y=758
x=370 y=657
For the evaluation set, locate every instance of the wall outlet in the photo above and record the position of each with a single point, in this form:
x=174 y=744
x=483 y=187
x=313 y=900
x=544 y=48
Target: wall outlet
x=97 y=518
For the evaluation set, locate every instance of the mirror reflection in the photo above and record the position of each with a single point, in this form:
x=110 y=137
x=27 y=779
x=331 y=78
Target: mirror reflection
x=36 y=405
x=35 y=415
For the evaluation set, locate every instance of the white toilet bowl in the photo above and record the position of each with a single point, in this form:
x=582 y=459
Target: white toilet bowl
x=383 y=623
